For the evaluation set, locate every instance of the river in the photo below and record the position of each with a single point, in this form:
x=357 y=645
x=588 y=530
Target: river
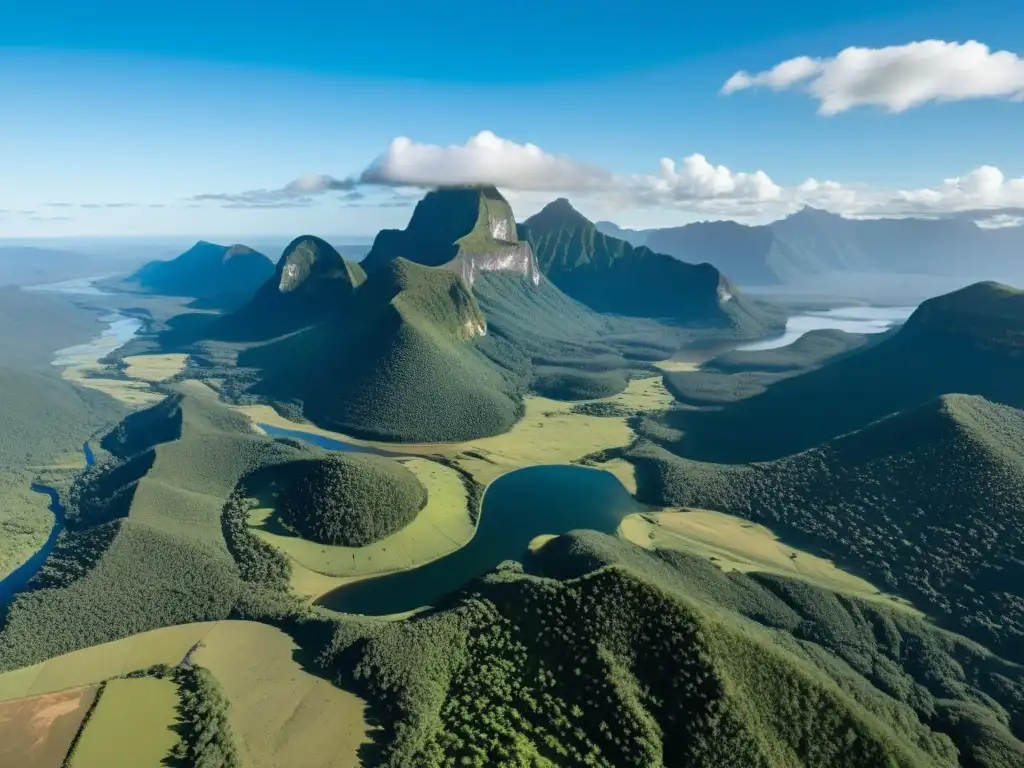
x=549 y=499
x=863 y=319
x=16 y=580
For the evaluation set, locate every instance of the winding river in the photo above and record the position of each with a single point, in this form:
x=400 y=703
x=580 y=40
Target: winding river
x=16 y=580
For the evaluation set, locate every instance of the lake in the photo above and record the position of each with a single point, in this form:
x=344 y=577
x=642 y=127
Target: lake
x=323 y=441
x=81 y=286
x=516 y=508
x=849 y=319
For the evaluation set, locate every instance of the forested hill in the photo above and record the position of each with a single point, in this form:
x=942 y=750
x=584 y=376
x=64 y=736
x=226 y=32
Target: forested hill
x=311 y=281
x=966 y=342
x=204 y=270
x=610 y=275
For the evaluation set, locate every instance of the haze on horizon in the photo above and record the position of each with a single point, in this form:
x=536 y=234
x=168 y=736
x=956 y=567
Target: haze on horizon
x=154 y=125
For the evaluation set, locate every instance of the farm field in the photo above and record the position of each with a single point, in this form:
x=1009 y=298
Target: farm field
x=132 y=725
x=38 y=731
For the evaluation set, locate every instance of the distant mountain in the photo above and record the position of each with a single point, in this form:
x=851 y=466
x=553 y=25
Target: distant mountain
x=970 y=341
x=204 y=270
x=813 y=242
x=612 y=276
x=31 y=265
x=635 y=237
x=311 y=280
x=927 y=502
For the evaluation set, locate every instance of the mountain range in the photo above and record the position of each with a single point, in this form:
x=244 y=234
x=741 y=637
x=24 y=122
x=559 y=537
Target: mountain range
x=813 y=242
x=438 y=333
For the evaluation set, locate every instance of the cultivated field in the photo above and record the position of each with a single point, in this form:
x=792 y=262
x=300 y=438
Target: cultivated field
x=37 y=732
x=281 y=715
x=131 y=727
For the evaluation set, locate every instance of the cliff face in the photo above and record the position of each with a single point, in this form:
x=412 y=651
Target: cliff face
x=467 y=229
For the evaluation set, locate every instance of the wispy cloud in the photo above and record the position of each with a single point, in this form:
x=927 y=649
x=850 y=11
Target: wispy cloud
x=896 y=78
x=300 y=193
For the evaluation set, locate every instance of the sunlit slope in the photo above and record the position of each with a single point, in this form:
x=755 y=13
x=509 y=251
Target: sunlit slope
x=928 y=502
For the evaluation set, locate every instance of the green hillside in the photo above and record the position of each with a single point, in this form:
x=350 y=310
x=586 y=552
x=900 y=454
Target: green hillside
x=968 y=342
x=311 y=281
x=203 y=271
x=400 y=365
x=612 y=276
x=348 y=499
x=144 y=545
x=928 y=503
x=631 y=658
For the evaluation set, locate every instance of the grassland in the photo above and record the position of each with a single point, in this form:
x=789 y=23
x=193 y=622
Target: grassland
x=442 y=526
x=38 y=731
x=154 y=367
x=131 y=726
x=281 y=714
x=550 y=432
x=925 y=503
x=735 y=544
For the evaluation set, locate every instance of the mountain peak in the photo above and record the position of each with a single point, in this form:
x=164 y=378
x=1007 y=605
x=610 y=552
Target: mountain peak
x=556 y=214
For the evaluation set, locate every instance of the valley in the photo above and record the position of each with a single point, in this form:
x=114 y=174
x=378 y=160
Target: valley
x=401 y=490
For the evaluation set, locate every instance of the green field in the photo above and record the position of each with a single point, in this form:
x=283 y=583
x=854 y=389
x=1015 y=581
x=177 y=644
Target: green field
x=442 y=526
x=132 y=725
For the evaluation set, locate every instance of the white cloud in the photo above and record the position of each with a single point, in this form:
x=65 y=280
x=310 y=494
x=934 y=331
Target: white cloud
x=484 y=159
x=697 y=179
x=896 y=77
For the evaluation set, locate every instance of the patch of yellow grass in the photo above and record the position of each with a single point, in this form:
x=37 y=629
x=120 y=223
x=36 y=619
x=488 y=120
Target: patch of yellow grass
x=132 y=725
x=735 y=544
x=154 y=367
x=102 y=662
x=548 y=433
x=133 y=393
x=676 y=366
x=281 y=715
x=37 y=732
x=441 y=527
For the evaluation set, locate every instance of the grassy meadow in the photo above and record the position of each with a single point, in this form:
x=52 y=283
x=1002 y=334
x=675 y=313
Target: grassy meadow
x=131 y=726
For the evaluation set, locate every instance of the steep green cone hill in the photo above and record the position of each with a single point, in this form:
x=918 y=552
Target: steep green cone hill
x=612 y=276
x=968 y=342
x=622 y=657
x=204 y=270
x=311 y=280
x=348 y=499
x=928 y=503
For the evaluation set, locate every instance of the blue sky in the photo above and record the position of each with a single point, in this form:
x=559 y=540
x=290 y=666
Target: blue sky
x=164 y=118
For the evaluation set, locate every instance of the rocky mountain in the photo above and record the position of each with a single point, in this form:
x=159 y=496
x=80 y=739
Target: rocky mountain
x=203 y=271
x=814 y=242
x=612 y=276
x=311 y=280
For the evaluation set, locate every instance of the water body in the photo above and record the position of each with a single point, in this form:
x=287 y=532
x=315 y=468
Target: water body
x=516 y=508
x=119 y=331
x=849 y=319
x=81 y=286
x=16 y=580
x=323 y=441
